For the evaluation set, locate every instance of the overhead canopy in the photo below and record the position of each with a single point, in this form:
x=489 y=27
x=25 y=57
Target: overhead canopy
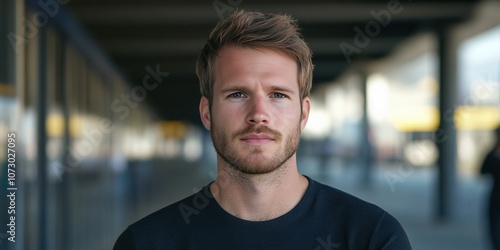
x=170 y=34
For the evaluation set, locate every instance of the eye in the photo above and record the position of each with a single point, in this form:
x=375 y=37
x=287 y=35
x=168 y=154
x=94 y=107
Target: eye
x=278 y=95
x=236 y=95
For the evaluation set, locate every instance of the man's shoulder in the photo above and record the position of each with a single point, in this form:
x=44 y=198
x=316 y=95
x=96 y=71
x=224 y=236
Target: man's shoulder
x=169 y=226
x=161 y=220
x=360 y=219
x=338 y=200
x=176 y=215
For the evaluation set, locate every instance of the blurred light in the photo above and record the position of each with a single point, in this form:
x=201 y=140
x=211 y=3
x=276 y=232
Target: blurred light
x=421 y=153
x=192 y=148
x=378 y=97
x=354 y=98
x=7 y=89
x=415 y=118
x=55 y=125
x=467 y=148
x=477 y=117
x=478 y=64
x=486 y=92
x=28 y=127
x=54 y=146
x=478 y=49
x=319 y=122
x=428 y=87
x=172 y=148
x=334 y=103
x=173 y=129
x=139 y=144
x=75 y=125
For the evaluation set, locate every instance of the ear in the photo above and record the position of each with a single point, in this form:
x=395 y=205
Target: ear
x=306 y=107
x=205 y=112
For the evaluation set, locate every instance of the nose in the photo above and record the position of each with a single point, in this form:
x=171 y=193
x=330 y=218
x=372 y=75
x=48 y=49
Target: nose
x=258 y=111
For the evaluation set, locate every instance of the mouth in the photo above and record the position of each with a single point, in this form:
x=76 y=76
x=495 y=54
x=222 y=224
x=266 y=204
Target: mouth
x=257 y=139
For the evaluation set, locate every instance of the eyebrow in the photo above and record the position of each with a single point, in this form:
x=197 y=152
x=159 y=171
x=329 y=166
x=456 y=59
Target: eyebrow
x=282 y=89
x=233 y=89
x=244 y=88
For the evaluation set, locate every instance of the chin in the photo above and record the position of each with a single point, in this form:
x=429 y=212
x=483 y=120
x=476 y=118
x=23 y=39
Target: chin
x=258 y=165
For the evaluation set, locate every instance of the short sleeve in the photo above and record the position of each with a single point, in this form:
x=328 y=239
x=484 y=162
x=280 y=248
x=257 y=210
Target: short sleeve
x=389 y=235
x=125 y=241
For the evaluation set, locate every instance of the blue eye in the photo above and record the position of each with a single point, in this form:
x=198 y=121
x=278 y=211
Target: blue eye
x=278 y=95
x=236 y=95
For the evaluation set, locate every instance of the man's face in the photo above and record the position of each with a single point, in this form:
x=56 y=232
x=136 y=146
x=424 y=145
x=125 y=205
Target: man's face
x=256 y=116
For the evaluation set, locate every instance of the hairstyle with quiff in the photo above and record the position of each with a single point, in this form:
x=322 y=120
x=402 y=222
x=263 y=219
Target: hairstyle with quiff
x=255 y=30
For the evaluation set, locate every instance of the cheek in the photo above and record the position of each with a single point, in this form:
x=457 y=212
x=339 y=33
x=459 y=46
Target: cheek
x=288 y=113
x=226 y=117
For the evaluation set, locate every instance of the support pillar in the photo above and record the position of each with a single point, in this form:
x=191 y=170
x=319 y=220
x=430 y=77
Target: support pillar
x=42 y=140
x=445 y=136
x=366 y=148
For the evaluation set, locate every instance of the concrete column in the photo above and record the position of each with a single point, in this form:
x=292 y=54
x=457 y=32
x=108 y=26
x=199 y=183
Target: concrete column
x=445 y=136
x=366 y=148
x=64 y=186
x=42 y=140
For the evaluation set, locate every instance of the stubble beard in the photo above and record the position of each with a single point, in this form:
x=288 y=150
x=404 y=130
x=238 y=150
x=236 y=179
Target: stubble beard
x=254 y=162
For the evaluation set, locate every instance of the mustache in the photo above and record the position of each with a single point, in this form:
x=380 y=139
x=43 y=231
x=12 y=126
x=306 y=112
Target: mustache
x=258 y=130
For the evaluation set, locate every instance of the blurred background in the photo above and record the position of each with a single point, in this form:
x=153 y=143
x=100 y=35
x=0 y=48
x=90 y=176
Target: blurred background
x=102 y=97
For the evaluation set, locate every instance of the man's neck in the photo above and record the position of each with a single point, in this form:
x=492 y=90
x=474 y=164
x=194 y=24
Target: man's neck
x=259 y=197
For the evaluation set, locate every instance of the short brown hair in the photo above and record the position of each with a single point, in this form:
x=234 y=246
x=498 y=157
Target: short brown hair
x=255 y=30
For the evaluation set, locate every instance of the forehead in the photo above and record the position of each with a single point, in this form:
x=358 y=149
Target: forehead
x=245 y=65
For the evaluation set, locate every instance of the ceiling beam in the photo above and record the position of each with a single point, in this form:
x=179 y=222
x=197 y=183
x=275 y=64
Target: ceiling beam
x=192 y=47
x=333 y=12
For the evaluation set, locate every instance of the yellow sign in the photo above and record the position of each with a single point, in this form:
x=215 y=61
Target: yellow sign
x=428 y=118
x=416 y=119
x=173 y=129
x=477 y=117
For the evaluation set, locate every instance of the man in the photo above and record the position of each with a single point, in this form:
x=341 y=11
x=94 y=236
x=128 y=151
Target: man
x=255 y=75
x=491 y=166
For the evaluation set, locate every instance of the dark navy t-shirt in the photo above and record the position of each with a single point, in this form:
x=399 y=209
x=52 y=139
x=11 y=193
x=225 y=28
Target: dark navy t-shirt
x=325 y=218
